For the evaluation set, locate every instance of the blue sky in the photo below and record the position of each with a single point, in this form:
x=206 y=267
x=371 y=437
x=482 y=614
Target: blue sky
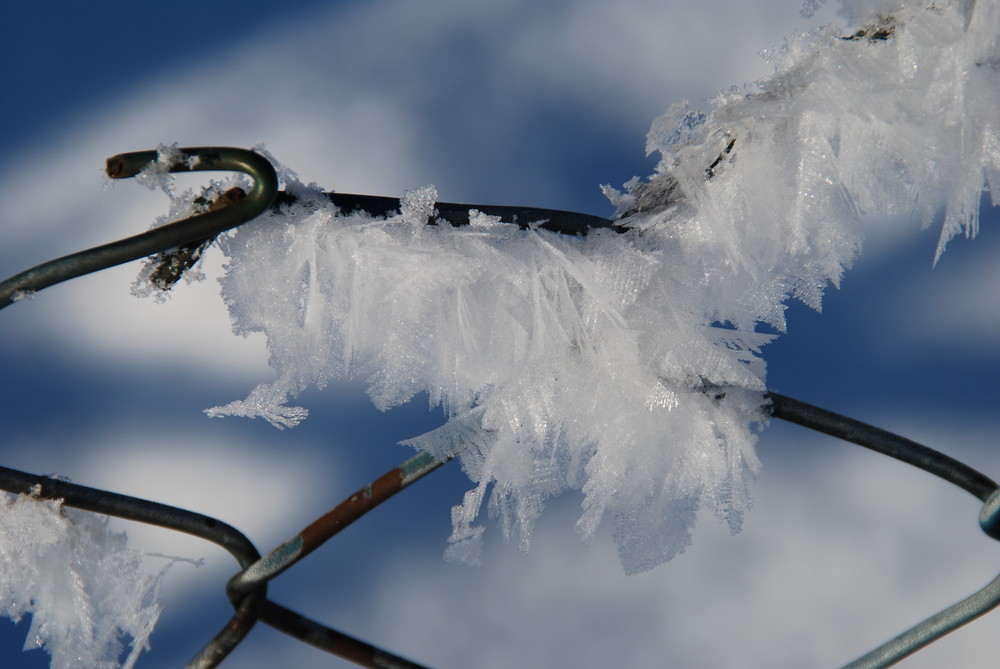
x=513 y=102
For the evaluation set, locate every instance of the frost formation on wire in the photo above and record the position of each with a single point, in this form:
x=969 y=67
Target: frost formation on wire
x=628 y=366
x=89 y=597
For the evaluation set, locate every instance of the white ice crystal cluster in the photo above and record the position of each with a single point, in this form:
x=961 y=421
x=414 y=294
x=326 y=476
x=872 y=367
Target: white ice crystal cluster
x=627 y=365
x=89 y=597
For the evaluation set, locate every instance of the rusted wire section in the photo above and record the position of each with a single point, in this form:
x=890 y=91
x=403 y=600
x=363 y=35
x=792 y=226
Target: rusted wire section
x=312 y=537
x=251 y=605
x=328 y=525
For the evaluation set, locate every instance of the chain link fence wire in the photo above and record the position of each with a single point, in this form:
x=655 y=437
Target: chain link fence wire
x=176 y=247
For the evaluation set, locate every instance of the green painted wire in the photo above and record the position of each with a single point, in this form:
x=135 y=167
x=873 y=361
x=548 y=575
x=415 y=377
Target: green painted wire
x=902 y=646
x=178 y=233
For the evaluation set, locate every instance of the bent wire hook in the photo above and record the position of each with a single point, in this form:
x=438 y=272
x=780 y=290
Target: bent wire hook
x=238 y=209
x=193 y=229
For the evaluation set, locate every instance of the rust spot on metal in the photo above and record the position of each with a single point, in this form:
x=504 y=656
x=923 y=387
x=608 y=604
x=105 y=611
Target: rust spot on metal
x=167 y=268
x=115 y=167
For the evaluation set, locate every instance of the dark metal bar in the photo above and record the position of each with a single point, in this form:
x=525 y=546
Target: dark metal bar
x=457 y=214
x=989 y=516
x=189 y=230
x=332 y=641
x=884 y=442
x=247 y=614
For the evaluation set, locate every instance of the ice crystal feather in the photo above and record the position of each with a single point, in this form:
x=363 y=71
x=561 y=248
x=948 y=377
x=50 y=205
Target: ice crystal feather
x=627 y=365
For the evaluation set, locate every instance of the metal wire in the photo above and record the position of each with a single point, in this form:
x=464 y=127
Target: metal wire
x=456 y=214
x=132 y=508
x=328 y=525
x=165 y=237
x=939 y=464
x=884 y=442
x=909 y=642
x=249 y=597
x=247 y=590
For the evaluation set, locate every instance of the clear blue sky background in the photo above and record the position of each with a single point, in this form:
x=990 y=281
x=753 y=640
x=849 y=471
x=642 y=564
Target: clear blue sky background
x=517 y=102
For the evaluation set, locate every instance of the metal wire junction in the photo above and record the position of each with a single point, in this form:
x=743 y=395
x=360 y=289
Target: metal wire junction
x=178 y=243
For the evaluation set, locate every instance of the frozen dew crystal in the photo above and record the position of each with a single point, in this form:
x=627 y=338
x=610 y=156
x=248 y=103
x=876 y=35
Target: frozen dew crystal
x=89 y=597
x=628 y=365
x=417 y=206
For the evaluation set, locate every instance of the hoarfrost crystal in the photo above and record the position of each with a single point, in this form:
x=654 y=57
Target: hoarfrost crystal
x=87 y=593
x=627 y=365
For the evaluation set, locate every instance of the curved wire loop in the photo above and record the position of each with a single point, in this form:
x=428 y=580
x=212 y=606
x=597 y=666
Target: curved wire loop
x=248 y=610
x=178 y=233
x=247 y=590
x=887 y=443
x=934 y=462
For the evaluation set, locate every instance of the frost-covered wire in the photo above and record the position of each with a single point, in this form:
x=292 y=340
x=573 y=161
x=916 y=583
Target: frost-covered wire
x=569 y=362
x=162 y=515
x=90 y=599
x=578 y=363
x=249 y=594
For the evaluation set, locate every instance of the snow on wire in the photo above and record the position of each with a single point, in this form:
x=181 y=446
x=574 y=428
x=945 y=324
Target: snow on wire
x=582 y=362
x=88 y=594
